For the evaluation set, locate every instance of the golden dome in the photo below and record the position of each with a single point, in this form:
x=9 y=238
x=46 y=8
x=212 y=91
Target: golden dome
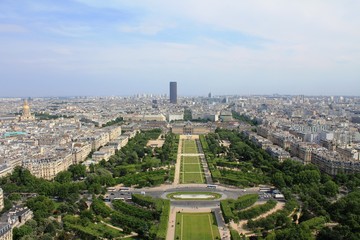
x=26 y=105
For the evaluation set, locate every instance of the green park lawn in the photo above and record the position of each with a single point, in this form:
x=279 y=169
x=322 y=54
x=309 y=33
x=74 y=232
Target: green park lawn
x=191 y=159
x=189 y=147
x=192 y=178
x=192 y=168
x=196 y=226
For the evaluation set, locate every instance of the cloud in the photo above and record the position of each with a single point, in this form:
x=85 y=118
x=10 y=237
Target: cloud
x=12 y=28
x=62 y=51
x=70 y=30
x=315 y=25
x=145 y=28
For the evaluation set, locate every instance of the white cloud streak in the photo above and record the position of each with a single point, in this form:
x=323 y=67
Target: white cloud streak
x=12 y=28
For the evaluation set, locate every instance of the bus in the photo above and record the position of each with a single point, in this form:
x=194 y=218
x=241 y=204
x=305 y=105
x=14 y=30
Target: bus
x=111 y=189
x=264 y=189
x=119 y=198
x=122 y=189
x=211 y=186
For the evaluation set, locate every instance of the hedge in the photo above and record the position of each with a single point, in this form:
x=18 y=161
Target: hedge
x=142 y=200
x=233 y=181
x=226 y=210
x=132 y=210
x=257 y=210
x=315 y=223
x=135 y=224
x=246 y=201
x=235 y=235
x=164 y=220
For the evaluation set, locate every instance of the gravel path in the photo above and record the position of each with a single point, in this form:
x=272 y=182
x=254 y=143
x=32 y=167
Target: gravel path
x=240 y=227
x=178 y=164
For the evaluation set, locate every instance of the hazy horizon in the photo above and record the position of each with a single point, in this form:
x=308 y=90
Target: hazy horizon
x=121 y=48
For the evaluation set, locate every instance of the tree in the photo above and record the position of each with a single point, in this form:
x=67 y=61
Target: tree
x=47 y=236
x=278 y=180
x=308 y=177
x=347 y=211
x=150 y=163
x=41 y=206
x=31 y=223
x=14 y=197
x=78 y=171
x=92 y=168
x=331 y=188
x=296 y=232
x=133 y=158
x=82 y=205
x=22 y=176
x=87 y=214
x=124 y=170
x=50 y=228
x=63 y=177
x=282 y=219
x=22 y=231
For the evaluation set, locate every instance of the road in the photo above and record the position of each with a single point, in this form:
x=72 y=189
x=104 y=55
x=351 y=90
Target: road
x=163 y=190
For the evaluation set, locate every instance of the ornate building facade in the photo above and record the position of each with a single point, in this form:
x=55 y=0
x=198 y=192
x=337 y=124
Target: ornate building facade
x=26 y=114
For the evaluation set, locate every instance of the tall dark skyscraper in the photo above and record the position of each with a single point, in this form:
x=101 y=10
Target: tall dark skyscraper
x=173 y=92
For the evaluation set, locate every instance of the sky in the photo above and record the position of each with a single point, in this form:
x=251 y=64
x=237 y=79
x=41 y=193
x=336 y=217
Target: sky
x=120 y=48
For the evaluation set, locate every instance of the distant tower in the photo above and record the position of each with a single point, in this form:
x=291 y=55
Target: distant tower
x=173 y=92
x=26 y=114
x=209 y=95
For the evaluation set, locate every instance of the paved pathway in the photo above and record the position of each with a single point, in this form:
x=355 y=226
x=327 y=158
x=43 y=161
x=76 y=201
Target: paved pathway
x=170 y=235
x=177 y=165
x=204 y=163
x=223 y=228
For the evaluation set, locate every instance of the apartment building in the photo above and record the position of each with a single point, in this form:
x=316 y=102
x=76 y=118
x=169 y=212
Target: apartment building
x=333 y=163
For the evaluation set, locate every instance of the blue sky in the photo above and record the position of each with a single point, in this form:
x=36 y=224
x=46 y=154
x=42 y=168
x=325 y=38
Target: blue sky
x=116 y=47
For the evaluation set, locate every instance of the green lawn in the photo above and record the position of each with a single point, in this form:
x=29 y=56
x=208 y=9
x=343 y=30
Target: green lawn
x=192 y=178
x=191 y=172
x=196 y=226
x=192 y=168
x=191 y=159
x=189 y=146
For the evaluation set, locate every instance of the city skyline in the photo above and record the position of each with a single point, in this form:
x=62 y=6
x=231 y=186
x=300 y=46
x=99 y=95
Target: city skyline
x=120 y=48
